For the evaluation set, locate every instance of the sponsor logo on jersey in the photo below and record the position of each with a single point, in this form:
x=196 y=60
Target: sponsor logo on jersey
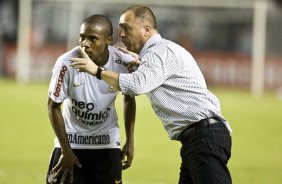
x=121 y=62
x=60 y=81
x=84 y=112
x=89 y=139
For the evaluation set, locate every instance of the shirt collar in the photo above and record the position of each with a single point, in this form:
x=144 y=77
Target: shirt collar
x=150 y=42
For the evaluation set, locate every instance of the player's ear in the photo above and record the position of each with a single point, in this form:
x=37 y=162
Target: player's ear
x=109 y=40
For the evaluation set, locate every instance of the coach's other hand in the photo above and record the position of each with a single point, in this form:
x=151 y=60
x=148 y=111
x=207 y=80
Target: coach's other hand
x=133 y=65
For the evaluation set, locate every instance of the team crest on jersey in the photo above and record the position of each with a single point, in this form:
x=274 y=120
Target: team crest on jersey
x=111 y=89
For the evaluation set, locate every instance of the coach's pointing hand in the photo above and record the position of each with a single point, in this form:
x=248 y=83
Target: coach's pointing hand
x=84 y=64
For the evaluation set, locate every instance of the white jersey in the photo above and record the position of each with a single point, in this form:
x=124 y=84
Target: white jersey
x=89 y=103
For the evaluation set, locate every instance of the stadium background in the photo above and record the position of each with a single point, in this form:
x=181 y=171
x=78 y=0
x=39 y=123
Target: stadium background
x=238 y=46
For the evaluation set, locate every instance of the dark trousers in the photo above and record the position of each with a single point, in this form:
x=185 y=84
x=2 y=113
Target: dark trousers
x=100 y=166
x=205 y=154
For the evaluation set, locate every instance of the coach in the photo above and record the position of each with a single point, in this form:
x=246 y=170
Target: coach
x=177 y=90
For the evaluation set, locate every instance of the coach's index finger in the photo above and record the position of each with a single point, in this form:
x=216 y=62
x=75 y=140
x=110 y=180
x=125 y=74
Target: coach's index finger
x=84 y=55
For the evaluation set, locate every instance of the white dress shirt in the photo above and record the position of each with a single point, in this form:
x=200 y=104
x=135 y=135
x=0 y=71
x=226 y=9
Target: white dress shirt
x=174 y=84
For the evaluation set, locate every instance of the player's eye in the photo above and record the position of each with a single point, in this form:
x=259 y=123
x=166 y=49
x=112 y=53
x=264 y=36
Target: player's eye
x=82 y=37
x=92 y=38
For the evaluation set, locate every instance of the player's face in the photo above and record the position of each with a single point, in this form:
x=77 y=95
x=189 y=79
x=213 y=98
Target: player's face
x=93 y=40
x=131 y=32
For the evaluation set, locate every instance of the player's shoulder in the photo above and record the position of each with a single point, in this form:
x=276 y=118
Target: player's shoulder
x=119 y=57
x=64 y=58
x=63 y=61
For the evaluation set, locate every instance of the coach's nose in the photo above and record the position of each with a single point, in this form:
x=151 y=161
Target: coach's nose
x=121 y=33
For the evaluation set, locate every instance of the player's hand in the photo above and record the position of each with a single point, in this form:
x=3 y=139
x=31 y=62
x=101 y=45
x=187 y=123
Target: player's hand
x=84 y=64
x=133 y=65
x=65 y=167
x=127 y=155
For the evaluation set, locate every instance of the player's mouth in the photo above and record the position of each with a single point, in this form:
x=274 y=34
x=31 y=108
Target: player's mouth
x=88 y=52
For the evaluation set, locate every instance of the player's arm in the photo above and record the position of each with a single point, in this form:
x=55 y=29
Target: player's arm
x=129 y=111
x=67 y=159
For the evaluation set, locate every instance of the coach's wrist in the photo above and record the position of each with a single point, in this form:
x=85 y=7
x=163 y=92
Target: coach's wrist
x=100 y=69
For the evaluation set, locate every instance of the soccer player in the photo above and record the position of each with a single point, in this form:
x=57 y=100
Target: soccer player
x=177 y=90
x=87 y=144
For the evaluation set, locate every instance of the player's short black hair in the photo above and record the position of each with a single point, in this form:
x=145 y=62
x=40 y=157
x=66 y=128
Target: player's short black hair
x=101 y=20
x=144 y=13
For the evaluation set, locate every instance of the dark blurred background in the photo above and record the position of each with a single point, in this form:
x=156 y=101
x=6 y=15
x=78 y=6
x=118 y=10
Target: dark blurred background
x=236 y=43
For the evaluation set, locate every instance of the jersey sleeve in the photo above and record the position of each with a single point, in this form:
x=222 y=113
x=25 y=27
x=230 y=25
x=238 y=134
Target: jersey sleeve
x=121 y=61
x=58 y=88
x=127 y=58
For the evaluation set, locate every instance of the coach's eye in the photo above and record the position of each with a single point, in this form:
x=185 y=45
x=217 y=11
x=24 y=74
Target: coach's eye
x=125 y=29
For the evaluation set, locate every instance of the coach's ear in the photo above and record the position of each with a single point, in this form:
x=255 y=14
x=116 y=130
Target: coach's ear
x=147 y=31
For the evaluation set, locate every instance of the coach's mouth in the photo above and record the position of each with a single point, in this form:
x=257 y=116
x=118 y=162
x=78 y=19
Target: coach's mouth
x=128 y=45
x=125 y=42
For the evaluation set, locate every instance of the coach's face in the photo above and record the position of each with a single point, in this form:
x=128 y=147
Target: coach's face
x=94 y=41
x=132 y=32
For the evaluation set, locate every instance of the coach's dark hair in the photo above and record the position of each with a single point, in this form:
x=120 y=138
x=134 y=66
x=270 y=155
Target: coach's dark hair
x=101 y=20
x=144 y=13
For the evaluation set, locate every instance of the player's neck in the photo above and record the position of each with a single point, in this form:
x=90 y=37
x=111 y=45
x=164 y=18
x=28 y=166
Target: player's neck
x=103 y=59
